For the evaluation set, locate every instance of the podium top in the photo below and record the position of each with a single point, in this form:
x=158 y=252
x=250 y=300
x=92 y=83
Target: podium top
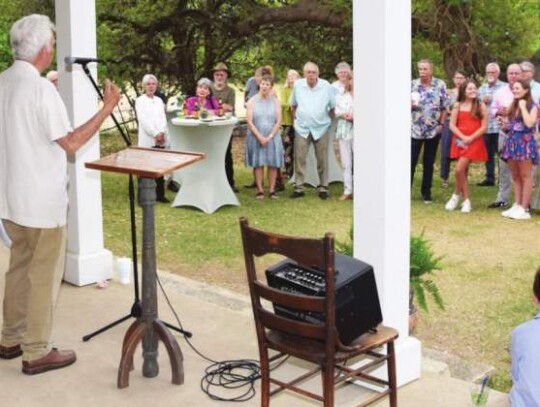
x=145 y=162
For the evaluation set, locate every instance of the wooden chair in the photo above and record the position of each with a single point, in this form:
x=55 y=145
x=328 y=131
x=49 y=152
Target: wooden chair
x=315 y=343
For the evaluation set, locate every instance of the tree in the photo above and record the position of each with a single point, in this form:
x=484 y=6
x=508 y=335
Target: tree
x=468 y=34
x=180 y=41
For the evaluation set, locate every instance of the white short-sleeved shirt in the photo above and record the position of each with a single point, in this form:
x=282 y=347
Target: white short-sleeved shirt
x=151 y=118
x=33 y=176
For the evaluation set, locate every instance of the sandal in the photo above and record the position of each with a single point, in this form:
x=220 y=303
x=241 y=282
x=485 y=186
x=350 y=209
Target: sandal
x=273 y=195
x=260 y=195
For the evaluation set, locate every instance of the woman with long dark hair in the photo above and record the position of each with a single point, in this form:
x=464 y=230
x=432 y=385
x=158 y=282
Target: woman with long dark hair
x=446 y=137
x=468 y=123
x=520 y=149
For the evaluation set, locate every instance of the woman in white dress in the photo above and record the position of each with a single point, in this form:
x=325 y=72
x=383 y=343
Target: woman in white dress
x=152 y=124
x=345 y=132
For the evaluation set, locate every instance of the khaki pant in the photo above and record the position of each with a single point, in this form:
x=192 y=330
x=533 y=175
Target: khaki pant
x=36 y=267
x=301 y=148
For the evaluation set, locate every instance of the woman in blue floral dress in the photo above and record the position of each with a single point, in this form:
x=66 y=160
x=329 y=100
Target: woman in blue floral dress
x=520 y=149
x=264 y=147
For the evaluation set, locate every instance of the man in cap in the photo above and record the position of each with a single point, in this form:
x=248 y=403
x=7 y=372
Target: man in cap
x=227 y=98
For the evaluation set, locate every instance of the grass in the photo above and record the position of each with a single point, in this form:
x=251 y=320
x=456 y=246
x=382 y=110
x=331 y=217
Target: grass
x=486 y=275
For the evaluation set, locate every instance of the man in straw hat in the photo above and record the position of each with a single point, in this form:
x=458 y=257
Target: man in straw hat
x=227 y=98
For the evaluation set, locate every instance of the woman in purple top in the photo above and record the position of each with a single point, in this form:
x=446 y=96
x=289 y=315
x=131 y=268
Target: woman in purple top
x=520 y=149
x=203 y=98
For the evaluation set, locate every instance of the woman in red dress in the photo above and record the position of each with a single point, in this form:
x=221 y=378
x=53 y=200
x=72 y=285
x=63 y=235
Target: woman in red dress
x=468 y=124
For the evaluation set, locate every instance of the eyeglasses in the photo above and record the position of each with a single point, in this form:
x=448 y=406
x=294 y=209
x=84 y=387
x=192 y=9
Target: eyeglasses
x=526 y=70
x=491 y=72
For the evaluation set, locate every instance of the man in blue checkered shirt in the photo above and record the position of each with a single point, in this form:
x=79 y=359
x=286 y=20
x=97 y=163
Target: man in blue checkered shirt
x=485 y=93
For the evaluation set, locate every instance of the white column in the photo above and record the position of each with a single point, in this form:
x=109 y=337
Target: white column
x=87 y=261
x=382 y=75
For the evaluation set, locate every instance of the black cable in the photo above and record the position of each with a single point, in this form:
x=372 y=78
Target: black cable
x=227 y=374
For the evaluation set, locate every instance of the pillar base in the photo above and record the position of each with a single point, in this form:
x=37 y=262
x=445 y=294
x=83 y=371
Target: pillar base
x=84 y=269
x=408 y=360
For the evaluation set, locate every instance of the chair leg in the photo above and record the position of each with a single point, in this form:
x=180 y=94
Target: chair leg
x=328 y=384
x=392 y=373
x=265 y=378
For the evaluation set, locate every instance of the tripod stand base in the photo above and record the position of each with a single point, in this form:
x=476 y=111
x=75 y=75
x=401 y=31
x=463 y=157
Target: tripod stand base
x=134 y=335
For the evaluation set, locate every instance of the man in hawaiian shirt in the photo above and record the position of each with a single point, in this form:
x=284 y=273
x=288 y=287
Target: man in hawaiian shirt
x=429 y=101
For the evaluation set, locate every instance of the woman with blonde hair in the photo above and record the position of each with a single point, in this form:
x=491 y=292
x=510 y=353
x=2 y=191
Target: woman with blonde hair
x=345 y=131
x=263 y=143
x=287 y=128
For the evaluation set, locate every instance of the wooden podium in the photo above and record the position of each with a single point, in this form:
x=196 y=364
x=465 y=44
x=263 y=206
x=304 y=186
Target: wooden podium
x=148 y=164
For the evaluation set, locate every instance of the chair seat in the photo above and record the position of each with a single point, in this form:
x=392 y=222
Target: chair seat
x=315 y=352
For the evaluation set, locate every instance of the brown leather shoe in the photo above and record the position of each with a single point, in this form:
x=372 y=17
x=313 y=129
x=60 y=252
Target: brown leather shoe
x=346 y=197
x=55 y=359
x=10 y=352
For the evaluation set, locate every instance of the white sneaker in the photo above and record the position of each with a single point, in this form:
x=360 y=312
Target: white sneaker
x=520 y=214
x=452 y=203
x=508 y=213
x=466 y=206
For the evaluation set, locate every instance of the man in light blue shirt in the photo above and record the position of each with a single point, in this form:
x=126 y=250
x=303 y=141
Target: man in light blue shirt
x=527 y=73
x=312 y=103
x=525 y=352
x=491 y=138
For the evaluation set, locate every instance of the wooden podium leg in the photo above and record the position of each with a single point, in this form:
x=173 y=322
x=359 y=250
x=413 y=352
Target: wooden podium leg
x=133 y=336
x=127 y=336
x=175 y=354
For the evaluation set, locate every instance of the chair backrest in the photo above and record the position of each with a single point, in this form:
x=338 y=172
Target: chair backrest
x=313 y=253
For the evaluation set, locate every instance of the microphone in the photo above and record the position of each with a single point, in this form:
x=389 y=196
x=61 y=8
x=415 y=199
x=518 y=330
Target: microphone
x=83 y=60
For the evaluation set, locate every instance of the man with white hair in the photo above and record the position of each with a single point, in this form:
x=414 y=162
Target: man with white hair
x=491 y=138
x=527 y=74
x=429 y=103
x=35 y=139
x=502 y=99
x=312 y=104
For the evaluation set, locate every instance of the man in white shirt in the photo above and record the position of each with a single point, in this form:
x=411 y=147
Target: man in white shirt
x=35 y=138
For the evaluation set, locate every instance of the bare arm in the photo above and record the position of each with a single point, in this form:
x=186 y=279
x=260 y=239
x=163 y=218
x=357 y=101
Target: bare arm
x=277 y=126
x=529 y=118
x=74 y=140
x=251 y=125
x=453 y=122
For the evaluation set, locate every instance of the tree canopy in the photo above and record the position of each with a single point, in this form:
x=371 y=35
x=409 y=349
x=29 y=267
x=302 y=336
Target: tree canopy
x=466 y=34
x=181 y=40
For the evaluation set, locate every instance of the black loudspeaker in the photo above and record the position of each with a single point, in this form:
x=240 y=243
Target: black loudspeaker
x=357 y=302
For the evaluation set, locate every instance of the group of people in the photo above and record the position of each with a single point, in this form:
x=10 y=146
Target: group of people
x=308 y=111
x=280 y=128
x=473 y=124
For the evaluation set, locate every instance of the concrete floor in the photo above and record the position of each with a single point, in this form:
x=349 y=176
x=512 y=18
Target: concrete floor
x=222 y=329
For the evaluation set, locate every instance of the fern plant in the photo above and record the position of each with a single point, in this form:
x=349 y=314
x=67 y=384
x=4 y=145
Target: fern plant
x=423 y=263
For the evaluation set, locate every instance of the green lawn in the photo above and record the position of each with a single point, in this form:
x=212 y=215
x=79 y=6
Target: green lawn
x=488 y=266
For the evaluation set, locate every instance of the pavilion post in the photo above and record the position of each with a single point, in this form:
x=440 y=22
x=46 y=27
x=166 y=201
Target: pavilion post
x=382 y=75
x=87 y=260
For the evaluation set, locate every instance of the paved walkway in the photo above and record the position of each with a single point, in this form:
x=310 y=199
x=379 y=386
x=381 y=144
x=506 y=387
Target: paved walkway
x=222 y=329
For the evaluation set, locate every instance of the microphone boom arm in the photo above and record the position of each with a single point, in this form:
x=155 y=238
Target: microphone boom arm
x=126 y=137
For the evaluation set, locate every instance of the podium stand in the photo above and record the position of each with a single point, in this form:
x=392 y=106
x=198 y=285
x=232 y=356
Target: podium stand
x=148 y=164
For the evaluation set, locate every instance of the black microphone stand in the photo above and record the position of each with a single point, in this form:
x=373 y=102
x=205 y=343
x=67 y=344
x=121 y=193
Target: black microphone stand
x=136 y=309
